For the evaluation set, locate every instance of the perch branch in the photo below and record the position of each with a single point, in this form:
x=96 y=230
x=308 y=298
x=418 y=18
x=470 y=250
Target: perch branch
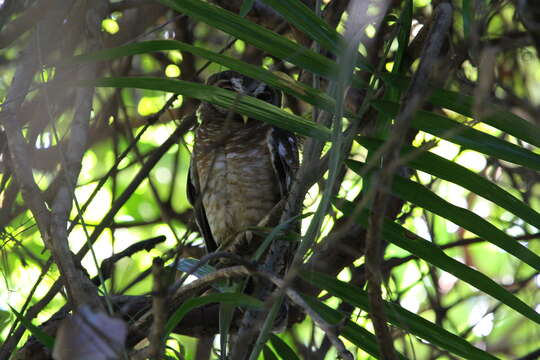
x=159 y=309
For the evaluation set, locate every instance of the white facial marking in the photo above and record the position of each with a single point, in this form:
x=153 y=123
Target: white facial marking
x=238 y=85
x=259 y=89
x=281 y=150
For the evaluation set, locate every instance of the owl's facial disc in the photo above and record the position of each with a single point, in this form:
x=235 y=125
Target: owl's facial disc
x=252 y=88
x=244 y=86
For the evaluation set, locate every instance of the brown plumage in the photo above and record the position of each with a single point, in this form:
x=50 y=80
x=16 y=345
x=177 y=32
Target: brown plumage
x=241 y=169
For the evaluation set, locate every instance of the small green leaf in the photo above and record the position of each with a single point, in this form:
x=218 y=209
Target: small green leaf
x=269 y=354
x=282 y=348
x=190 y=304
x=226 y=313
x=405 y=21
x=44 y=338
x=276 y=231
x=266 y=329
x=467 y=18
x=188 y=264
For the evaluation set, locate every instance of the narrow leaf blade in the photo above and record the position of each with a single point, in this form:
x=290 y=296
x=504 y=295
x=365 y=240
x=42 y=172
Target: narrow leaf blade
x=426 y=250
x=244 y=105
x=399 y=317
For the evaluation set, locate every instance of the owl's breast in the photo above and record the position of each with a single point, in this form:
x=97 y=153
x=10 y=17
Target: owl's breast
x=238 y=186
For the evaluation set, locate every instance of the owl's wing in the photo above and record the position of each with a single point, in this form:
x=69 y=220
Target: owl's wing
x=283 y=147
x=194 y=197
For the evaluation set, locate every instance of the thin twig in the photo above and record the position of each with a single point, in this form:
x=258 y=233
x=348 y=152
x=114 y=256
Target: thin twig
x=79 y=291
x=24 y=22
x=159 y=310
x=148 y=244
x=72 y=163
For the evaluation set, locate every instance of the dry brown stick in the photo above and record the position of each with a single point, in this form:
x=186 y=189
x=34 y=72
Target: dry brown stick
x=140 y=354
x=107 y=219
x=163 y=213
x=159 y=310
x=107 y=265
x=204 y=348
x=24 y=22
x=71 y=167
x=412 y=101
x=20 y=158
x=18 y=147
x=173 y=139
x=149 y=122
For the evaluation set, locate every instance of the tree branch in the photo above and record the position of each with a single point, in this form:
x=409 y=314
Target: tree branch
x=411 y=102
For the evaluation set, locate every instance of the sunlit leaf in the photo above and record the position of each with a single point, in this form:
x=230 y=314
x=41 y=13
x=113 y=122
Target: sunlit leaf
x=268 y=354
x=448 y=170
x=495 y=115
x=419 y=195
x=256 y=35
x=465 y=136
x=246 y=105
x=277 y=80
x=399 y=317
x=282 y=348
x=431 y=253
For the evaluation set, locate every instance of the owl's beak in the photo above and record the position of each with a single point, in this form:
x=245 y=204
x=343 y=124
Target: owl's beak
x=245 y=118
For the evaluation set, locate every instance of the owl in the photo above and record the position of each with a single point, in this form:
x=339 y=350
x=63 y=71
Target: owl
x=241 y=169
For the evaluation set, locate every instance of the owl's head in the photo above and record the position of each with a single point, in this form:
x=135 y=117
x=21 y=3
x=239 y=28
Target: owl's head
x=233 y=81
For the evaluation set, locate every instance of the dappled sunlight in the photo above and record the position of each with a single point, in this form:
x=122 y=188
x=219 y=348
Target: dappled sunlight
x=416 y=202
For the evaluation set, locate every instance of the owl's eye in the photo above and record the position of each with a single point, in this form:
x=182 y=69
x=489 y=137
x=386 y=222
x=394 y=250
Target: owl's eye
x=227 y=86
x=224 y=84
x=266 y=96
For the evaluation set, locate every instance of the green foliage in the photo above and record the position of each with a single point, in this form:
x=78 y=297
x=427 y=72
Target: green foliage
x=228 y=298
x=44 y=338
x=446 y=292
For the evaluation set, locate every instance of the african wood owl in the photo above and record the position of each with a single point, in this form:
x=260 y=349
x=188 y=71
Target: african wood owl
x=241 y=169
